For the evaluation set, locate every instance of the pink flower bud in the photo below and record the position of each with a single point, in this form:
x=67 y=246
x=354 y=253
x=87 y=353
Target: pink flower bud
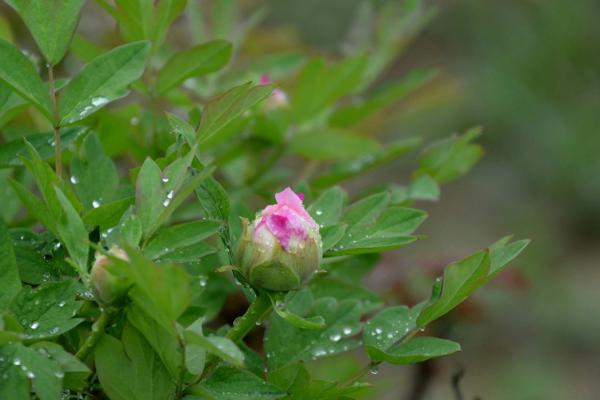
x=278 y=97
x=282 y=248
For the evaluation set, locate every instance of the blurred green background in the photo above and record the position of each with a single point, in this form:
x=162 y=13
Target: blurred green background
x=528 y=71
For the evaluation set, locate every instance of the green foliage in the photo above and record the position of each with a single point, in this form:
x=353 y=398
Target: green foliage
x=159 y=183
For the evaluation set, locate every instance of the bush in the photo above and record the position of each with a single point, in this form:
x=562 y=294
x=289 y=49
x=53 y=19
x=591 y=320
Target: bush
x=113 y=285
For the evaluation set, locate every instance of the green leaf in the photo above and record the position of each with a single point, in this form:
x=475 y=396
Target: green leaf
x=75 y=373
x=331 y=235
x=424 y=187
x=103 y=80
x=228 y=383
x=72 y=232
x=367 y=210
x=219 y=346
x=327 y=209
x=199 y=60
x=130 y=370
x=280 y=307
x=180 y=236
x=108 y=214
x=320 y=85
x=10 y=282
x=348 y=169
x=10 y=103
x=388 y=327
x=460 y=280
x=227 y=107
x=417 y=350
x=164 y=342
x=131 y=230
x=149 y=194
x=214 y=200
x=51 y=23
x=28 y=365
x=21 y=75
x=94 y=174
x=390 y=93
x=181 y=127
x=286 y=343
x=48 y=310
x=330 y=144
x=449 y=159
x=502 y=253
x=162 y=291
x=10 y=152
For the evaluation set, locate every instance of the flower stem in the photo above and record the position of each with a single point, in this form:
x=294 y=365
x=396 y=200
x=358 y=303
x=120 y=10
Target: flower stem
x=257 y=311
x=57 y=144
x=97 y=331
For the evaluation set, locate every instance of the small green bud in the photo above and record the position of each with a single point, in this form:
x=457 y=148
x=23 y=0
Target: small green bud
x=282 y=248
x=109 y=288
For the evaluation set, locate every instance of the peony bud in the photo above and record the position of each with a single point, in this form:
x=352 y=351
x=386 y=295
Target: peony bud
x=108 y=287
x=277 y=99
x=282 y=248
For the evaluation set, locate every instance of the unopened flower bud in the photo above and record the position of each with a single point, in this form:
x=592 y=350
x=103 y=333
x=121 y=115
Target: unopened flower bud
x=282 y=248
x=278 y=97
x=107 y=286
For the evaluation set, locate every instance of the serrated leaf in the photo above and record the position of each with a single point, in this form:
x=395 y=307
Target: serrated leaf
x=48 y=310
x=130 y=370
x=51 y=23
x=417 y=350
x=10 y=282
x=21 y=75
x=227 y=107
x=103 y=80
x=199 y=60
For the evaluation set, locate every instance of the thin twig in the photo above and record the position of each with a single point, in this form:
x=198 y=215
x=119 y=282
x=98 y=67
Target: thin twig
x=456 y=377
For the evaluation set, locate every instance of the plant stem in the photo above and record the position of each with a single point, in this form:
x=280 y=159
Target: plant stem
x=258 y=310
x=97 y=331
x=255 y=313
x=57 y=144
